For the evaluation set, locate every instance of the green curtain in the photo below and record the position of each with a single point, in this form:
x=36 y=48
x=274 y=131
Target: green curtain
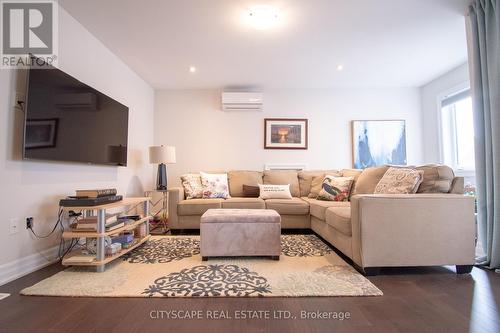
x=483 y=31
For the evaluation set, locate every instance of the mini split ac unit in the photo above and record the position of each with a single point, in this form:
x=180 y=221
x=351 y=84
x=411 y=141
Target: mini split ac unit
x=242 y=101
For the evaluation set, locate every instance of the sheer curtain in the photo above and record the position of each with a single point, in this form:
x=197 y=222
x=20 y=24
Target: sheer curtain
x=483 y=33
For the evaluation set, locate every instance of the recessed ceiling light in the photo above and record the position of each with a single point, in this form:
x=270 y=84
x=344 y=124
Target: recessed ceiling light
x=340 y=67
x=192 y=69
x=263 y=17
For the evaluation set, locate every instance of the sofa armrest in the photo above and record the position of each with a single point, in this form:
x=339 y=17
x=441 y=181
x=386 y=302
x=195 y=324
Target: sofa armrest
x=175 y=196
x=412 y=230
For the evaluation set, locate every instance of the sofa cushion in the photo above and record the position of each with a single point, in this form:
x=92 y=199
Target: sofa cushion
x=283 y=177
x=197 y=206
x=437 y=179
x=351 y=173
x=339 y=218
x=316 y=187
x=318 y=208
x=399 y=181
x=244 y=203
x=306 y=178
x=368 y=180
x=294 y=206
x=239 y=178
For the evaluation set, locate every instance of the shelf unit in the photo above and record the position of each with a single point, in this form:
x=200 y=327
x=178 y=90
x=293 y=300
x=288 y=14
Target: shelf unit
x=101 y=259
x=106 y=259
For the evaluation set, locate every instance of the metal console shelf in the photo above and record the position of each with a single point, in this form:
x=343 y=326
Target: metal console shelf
x=101 y=260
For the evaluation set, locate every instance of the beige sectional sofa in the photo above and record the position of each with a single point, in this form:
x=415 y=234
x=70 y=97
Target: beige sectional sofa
x=433 y=227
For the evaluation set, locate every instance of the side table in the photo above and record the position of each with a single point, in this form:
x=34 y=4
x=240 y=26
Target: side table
x=159 y=210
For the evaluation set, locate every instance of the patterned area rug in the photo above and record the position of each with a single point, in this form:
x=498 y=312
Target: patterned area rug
x=171 y=266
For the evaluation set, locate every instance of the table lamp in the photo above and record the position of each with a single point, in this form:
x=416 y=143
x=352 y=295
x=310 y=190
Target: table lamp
x=161 y=155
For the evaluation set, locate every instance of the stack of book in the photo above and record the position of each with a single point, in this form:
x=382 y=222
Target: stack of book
x=106 y=192
x=90 y=224
x=91 y=198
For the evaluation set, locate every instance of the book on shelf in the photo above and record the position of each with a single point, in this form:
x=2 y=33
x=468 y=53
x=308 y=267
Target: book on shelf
x=93 y=226
x=93 y=220
x=96 y=193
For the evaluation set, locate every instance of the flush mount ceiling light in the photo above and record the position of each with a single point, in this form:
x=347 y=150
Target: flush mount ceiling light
x=340 y=67
x=192 y=69
x=262 y=17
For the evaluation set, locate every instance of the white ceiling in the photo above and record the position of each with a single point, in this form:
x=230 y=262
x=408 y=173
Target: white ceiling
x=379 y=42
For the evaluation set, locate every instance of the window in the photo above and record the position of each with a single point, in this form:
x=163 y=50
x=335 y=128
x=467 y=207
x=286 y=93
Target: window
x=457 y=131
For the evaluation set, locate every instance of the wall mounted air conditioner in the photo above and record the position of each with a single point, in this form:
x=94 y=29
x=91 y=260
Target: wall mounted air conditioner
x=242 y=101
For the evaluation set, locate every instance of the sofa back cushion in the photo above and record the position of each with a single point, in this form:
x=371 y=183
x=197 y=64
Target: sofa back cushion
x=306 y=177
x=368 y=180
x=437 y=179
x=283 y=177
x=238 y=178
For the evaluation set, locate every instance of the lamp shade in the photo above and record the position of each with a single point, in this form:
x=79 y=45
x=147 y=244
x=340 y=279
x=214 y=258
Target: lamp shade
x=161 y=154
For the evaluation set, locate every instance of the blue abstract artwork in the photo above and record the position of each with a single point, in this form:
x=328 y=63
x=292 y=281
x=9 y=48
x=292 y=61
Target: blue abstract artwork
x=378 y=142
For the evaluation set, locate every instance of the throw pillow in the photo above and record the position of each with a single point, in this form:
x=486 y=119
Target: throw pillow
x=214 y=185
x=192 y=185
x=275 y=191
x=335 y=188
x=250 y=191
x=400 y=181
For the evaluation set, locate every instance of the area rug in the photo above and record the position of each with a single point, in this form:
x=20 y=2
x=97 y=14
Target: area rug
x=171 y=266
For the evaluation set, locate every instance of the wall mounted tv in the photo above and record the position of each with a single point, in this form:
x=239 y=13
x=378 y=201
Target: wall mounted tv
x=67 y=120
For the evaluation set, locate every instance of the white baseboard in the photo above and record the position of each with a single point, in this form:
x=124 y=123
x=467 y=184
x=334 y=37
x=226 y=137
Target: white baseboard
x=23 y=266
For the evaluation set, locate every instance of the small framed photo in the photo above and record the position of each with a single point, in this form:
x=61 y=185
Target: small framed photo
x=281 y=133
x=40 y=133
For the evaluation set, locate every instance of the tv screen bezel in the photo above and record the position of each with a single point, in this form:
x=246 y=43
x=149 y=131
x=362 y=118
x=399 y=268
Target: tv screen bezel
x=25 y=120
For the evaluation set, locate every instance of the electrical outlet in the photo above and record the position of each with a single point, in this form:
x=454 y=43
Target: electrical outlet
x=29 y=222
x=19 y=97
x=14 y=226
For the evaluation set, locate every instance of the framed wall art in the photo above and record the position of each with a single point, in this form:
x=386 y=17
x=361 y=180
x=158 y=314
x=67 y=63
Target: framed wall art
x=281 y=133
x=378 y=142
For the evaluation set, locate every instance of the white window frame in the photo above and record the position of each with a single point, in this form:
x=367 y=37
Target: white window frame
x=442 y=96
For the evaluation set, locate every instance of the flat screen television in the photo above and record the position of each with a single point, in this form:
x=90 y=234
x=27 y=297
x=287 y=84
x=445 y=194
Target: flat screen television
x=67 y=120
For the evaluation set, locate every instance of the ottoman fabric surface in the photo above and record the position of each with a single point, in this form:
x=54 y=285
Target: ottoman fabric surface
x=240 y=216
x=240 y=232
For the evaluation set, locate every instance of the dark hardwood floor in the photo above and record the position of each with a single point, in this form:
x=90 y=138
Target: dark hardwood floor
x=415 y=300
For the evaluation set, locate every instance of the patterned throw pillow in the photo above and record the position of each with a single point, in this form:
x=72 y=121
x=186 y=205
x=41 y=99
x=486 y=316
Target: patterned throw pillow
x=192 y=185
x=214 y=185
x=335 y=188
x=400 y=181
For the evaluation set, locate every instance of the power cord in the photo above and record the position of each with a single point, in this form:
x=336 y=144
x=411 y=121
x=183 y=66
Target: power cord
x=58 y=222
x=63 y=247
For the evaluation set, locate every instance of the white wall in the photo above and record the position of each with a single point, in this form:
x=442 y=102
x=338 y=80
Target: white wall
x=431 y=95
x=207 y=138
x=33 y=188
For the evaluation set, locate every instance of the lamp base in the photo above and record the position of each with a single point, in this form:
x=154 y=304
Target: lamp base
x=161 y=180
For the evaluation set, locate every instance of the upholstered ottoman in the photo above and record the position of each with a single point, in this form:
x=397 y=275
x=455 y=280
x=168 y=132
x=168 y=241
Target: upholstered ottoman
x=240 y=232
